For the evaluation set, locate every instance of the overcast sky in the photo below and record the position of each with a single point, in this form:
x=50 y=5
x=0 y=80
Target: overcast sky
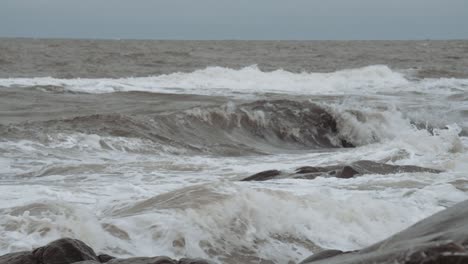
x=235 y=19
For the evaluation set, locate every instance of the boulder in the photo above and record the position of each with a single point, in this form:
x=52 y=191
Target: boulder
x=347 y=172
x=24 y=257
x=64 y=251
x=439 y=239
x=103 y=258
x=68 y=251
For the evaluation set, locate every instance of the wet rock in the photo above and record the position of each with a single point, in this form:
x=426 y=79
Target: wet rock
x=371 y=167
x=439 y=239
x=308 y=169
x=103 y=258
x=64 y=251
x=450 y=253
x=194 y=261
x=308 y=176
x=347 y=172
x=344 y=171
x=328 y=253
x=25 y=257
x=263 y=176
x=154 y=260
x=115 y=231
x=72 y=251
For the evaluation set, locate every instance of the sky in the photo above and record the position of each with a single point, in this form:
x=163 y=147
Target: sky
x=235 y=19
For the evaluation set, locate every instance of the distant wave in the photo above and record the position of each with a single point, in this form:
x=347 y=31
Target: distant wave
x=219 y=80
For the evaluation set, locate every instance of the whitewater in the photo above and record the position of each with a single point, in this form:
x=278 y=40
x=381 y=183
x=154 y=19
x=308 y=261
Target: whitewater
x=153 y=165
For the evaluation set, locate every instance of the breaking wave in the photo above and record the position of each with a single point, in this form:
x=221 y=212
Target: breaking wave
x=219 y=80
x=274 y=126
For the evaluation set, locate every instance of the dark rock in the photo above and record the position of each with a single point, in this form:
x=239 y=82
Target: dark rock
x=372 y=167
x=307 y=169
x=344 y=171
x=347 y=144
x=103 y=258
x=64 y=251
x=347 y=172
x=154 y=260
x=328 y=253
x=194 y=261
x=263 y=176
x=308 y=176
x=24 y=257
x=72 y=251
x=439 y=239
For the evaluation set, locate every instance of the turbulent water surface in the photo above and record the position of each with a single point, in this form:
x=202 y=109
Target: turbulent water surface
x=138 y=147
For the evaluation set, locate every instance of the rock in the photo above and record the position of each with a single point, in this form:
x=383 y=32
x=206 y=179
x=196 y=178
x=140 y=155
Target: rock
x=450 y=253
x=194 y=261
x=24 y=257
x=64 y=251
x=308 y=169
x=347 y=172
x=263 y=176
x=372 y=167
x=154 y=260
x=72 y=251
x=328 y=253
x=343 y=171
x=439 y=239
x=103 y=258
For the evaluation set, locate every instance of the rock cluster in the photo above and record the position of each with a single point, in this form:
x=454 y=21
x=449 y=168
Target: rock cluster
x=73 y=251
x=344 y=171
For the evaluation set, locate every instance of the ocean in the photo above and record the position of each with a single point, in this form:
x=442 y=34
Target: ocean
x=139 y=148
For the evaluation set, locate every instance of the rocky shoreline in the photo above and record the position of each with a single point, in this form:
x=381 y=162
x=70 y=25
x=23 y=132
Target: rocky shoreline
x=439 y=239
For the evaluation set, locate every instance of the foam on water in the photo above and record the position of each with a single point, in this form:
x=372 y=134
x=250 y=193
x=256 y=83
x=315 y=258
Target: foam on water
x=125 y=210
x=132 y=194
x=219 y=80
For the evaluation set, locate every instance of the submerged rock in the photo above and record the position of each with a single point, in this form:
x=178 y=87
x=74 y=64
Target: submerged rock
x=263 y=176
x=439 y=239
x=344 y=171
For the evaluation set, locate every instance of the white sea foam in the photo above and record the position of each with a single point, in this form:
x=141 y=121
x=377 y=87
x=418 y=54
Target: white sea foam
x=131 y=196
x=214 y=80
